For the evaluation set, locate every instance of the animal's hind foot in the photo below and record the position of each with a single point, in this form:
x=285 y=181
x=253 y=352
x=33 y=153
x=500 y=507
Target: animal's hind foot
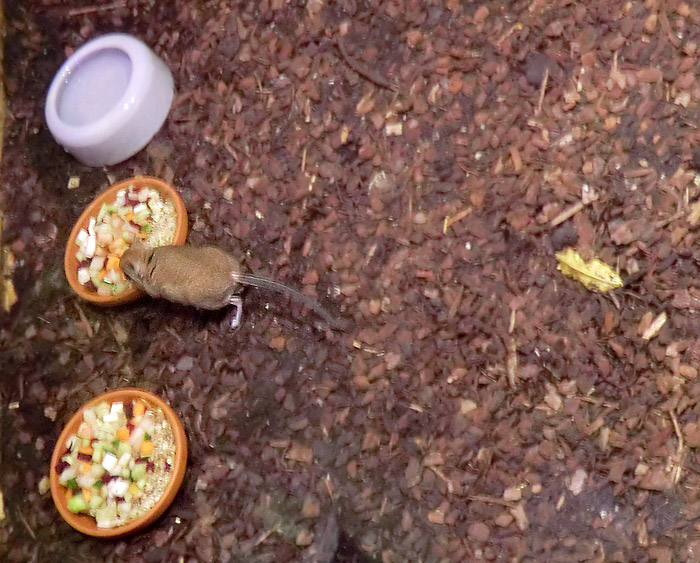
x=237 y=302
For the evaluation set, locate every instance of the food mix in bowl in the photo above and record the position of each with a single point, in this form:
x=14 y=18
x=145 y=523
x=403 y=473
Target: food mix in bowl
x=119 y=462
x=135 y=213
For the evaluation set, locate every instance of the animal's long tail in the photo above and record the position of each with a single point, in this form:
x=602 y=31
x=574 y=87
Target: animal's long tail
x=255 y=281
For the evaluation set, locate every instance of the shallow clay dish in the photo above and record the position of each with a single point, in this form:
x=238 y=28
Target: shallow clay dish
x=87 y=524
x=70 y=261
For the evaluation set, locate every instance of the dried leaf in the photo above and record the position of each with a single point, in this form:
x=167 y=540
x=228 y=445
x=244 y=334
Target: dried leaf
x=436 y=516
x=121 y=335
x=365 y=105
x=594 y=274
x=9 y=296
x=301 y=453
x=655 y=327
x=520 y=516
x=393 y=129
x=433 y=459
x=73 y=182
x=694 y=215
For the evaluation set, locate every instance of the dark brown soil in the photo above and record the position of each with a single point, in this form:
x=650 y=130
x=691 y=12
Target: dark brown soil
x=416 y=165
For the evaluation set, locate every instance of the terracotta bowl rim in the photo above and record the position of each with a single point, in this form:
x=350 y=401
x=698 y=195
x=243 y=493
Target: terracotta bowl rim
x=70 y=262
x=86 y=524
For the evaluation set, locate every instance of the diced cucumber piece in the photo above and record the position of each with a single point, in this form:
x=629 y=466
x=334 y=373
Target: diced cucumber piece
x=90 y=417
x=102 y=213
x=77 y=504
x=102 y=409
x=119 y=287
x=66 y=474
x=96 y=501
x=105 y=514
x=142 y=216
x=106 y=447
x=72 y=484
x=97 y=471
x=123 y=448
x=138 y=472
x=123 y=509
x=97 y=452
x=98 y=484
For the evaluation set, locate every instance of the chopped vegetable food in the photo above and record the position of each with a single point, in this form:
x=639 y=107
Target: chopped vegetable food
x=135 y=213
x=110 y=470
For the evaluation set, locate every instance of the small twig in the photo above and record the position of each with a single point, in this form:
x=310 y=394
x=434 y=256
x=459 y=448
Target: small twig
x=491 y=500
x=363 y=71
x=229 y=149
x=568 y=213
x=597 y=402
x=175 y=335
x=26 y=524
x=511 y=324
x=677 y=428
x=452 y=219
x=357 y=344
x=84 y=321
x=543 y=88
x=329 y=485
x=663 y=222
x=95 y=8
x=512 y=362
x=447 y=480
x=267 y=534
x=676 y=463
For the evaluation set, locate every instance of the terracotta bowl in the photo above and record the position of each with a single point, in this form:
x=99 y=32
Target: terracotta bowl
x=87 y=524
x=70 y=261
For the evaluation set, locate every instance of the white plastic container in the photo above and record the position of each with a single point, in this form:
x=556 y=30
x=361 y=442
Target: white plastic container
x=109 y=99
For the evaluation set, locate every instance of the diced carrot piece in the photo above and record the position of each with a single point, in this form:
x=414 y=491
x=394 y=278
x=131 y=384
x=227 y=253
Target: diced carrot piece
x=85 y=467
x=86 y=431
x=85 y=450
x=87 y=495
x=129 y=216
x=139 y=408
x=146 y=447
x=101 y=274
x=123 y=434
x=112 y=262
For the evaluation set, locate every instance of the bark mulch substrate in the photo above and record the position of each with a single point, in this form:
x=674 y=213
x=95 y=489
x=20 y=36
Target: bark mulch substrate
x=416 y=165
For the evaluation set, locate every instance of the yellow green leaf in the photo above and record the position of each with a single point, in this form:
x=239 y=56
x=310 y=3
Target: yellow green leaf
x=594 y=274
